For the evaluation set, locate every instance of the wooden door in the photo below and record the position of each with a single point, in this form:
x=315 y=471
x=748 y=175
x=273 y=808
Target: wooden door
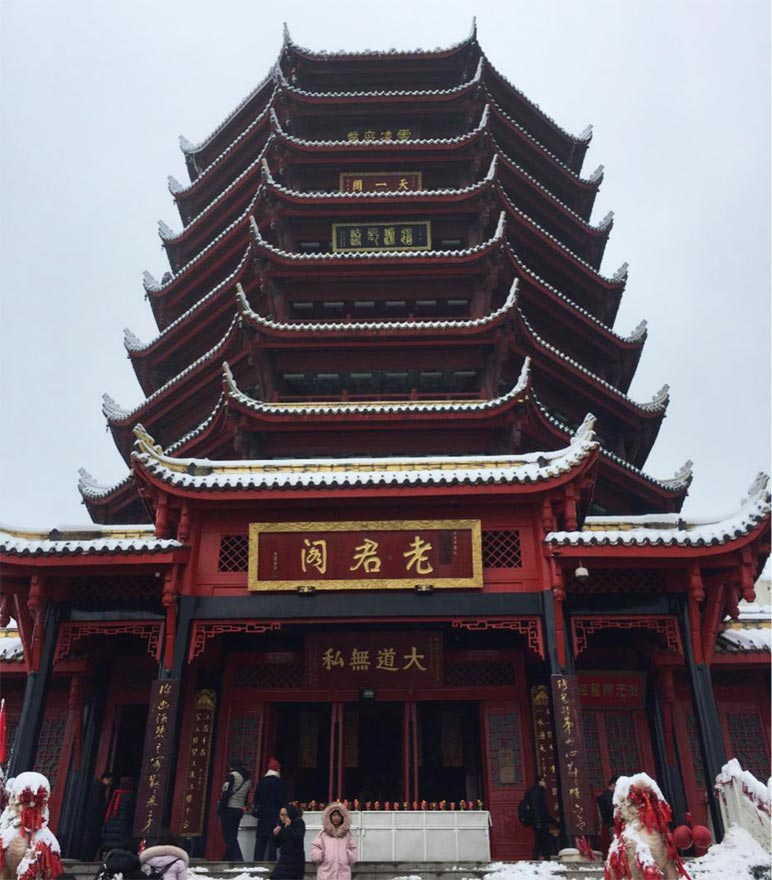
x=509 y=770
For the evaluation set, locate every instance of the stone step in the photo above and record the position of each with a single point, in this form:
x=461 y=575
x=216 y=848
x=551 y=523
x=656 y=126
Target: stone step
x=360 y=871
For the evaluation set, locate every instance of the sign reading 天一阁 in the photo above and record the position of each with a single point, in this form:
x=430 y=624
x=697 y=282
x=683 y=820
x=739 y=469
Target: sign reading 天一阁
x=379 y=555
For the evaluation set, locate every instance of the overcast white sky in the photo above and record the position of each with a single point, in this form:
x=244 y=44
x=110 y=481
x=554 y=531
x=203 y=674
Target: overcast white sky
x=94 y=94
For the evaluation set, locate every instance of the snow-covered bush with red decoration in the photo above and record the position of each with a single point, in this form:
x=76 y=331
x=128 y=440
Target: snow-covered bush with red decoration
x=643 y=847
x=28 y=848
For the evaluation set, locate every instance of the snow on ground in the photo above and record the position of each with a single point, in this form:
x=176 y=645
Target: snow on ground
x=524 y=870
x=732 y=858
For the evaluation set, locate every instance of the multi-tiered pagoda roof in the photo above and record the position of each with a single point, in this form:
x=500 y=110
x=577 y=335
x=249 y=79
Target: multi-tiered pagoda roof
x=474 y=318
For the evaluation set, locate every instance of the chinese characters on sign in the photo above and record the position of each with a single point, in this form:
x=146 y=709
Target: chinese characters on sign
x=156 y=758
x=365 y=555
x=380 y=181
x=578 y=804
x=546 y=761
x=358 y=660
x=623 y=690
x=379 y=134
x=398 y=236
x=198 y=765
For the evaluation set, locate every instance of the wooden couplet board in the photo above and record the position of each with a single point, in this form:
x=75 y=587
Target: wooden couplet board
x=579 y=811
x=379 y=555
x=546 y=760
x=156 y=759
x=197 y=771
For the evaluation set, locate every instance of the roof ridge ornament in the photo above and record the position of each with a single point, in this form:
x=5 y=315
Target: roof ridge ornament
x=473 y=31
x=131 y=341
x=144 y=442
x=174 y=185
x=286 y=38
x=585 y=433
x=661 y=397
x=621 y=273
x=758 y=491
x=640 y=332
x=86 y=481
x=586 y=134
x=186 y=146
x=683 y=476
x=111 y=409
x=150 y=282
x=491 y=175
x=165 y=231
x=265 y=170
x=597 y=175
x=607 y=221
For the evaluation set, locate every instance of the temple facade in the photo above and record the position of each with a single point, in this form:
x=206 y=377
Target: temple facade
x=386 y=513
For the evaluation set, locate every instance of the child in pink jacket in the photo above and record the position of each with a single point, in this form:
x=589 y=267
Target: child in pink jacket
x=334 y=850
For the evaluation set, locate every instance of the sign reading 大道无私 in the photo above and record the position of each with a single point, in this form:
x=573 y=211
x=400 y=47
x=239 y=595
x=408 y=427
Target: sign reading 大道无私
x=394 y=554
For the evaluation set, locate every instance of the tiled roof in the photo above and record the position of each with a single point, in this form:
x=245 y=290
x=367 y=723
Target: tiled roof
x=671 y=530
x=366 y=472
x=11 y=648
x=84 y=541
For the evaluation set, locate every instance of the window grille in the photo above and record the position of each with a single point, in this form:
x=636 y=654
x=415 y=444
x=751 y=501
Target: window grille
x=491 y=674
x=49 y=751
x=244 y=737
x=286 y=676
x=234 y=553
x=592 y=751
x=501 y=549
x=748 y=742
x=694 y=747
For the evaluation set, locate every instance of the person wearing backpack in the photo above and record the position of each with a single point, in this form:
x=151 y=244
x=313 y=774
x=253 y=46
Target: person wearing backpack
x=167 y=860
x=230 y=807
x=123 y=862
x=537 y=808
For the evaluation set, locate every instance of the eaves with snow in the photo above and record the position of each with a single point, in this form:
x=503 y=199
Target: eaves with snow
x=84 y=541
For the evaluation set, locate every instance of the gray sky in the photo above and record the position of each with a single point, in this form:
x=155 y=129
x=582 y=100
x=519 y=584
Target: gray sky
x=94 y=94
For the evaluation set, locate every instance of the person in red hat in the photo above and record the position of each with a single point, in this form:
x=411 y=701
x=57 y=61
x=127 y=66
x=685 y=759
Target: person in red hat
x=269 y=799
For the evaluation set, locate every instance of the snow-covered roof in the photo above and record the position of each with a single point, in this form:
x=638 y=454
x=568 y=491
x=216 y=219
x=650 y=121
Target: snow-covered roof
x=114 y=413
x=745 y=637
x=410 y=143
x=678 y=483
x=354 y=327
x=379 y=407
x=364 y=472
x=368 y=256
x=11 y=648
x=379 y=94
x=87 y=540
x=92 y=490
x=671 y=530
x=658 y=403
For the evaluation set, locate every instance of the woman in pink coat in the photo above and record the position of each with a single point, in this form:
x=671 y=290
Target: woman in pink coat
x=334 y=850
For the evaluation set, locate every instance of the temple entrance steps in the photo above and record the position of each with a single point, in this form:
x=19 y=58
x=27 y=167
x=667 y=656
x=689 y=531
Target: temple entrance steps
x=361 y=871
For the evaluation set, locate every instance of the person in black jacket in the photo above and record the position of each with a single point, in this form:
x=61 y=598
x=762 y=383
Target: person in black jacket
x=542 y=839
x=605 y=804
x=289 y=835
x=122 y=861
x=94 y=818
x=268 y=800
x=119 y=817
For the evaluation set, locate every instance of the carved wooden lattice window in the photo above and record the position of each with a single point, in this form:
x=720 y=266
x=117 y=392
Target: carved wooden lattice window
x=592 y=750
x=746 y=736
x=504 y=749
x=694 y=747
x=268 y=675
x=244 y=737
x=49 y=751
x=489 y=674
x=621 y=743
x=234 y=553
x=501 y=549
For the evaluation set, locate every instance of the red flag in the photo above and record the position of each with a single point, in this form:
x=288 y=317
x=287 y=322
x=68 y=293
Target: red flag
x=3 y=734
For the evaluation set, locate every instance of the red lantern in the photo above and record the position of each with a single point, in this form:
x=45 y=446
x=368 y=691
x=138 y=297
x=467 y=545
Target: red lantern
x=682 y=837
x=702 y=836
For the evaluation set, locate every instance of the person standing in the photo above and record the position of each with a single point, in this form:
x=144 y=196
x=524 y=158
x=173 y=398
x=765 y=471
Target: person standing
x=230 y=807
x=605 y=802
x=334 y=849
x=94 y=818
x=119 y=817
x=542 y=820
x=289 y=835
x=268 y=800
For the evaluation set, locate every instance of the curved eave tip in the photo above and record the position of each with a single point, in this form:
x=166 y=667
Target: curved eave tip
x=473 y=31
x=285 y=34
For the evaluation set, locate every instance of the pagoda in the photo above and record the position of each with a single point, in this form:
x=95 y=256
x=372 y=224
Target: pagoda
x=386 y=512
